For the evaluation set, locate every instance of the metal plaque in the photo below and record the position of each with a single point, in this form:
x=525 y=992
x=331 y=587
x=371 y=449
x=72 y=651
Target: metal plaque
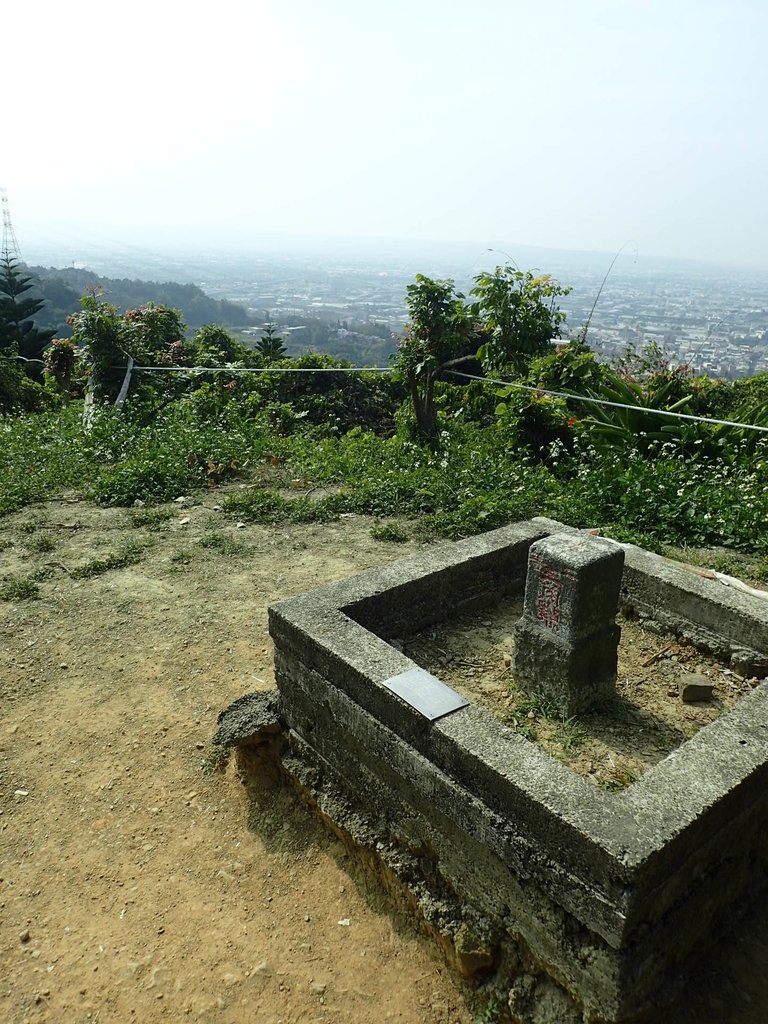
x=425 y=692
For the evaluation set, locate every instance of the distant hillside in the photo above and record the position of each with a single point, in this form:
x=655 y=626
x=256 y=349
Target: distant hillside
x=61 y=290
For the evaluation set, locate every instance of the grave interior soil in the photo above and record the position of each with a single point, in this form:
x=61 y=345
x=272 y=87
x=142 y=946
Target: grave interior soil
x=610 y=746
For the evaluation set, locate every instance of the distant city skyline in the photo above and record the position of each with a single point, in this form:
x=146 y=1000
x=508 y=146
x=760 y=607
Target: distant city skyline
x=572 y=127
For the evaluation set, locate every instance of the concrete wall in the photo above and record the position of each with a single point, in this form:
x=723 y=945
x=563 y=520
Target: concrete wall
x=610 y=892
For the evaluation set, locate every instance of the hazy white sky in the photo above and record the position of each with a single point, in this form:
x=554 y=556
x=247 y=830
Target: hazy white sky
x=566 y=124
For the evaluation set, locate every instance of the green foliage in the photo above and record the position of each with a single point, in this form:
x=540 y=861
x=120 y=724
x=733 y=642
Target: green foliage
x=224 y=544
x=519 y=316
x=328 y=402
x=270 y=346
x=213 y=346
x=43 y=543
x=265 y=506
x=535 y=420
x=18 y=334
x=492 y=1011
x=128 y=554
x=180 y=559
x=640 y=423
x=439 y=334
x=17 y=589
x=513 y=318
x=633 y=474
x=61 y=289
x=542 y=704
x=150 y=518
x=60 y=361
x=151 y=335
x=17 y=392
x=96 y=331
x=40 y=454
x=392 y=532
x=572 y=368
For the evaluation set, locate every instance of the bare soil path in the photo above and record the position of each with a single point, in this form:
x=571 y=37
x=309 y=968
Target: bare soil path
x=136 y=880
x=133 y=885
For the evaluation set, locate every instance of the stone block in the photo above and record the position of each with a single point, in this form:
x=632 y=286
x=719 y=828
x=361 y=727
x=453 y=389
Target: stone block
x=566 y=643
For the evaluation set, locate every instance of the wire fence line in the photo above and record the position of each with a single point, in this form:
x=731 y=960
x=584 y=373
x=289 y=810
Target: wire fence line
x=586 y=399
x=615 y=405
x=260 y=369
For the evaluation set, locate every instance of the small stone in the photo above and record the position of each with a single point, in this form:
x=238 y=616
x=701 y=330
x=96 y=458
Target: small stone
x=306 y=917
x=344 y=922
x=263 y=968
x=63 y=665
x=200 y=746
x=24 y=935
x=21 y=792
x=317 y=988
x=695 y=687
x=184 y=521
x=673 y=692
x=239 y=526
x=13 y=729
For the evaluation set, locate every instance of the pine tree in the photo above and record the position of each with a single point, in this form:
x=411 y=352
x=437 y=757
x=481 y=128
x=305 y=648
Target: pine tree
x=270 y=345
x=18 y=334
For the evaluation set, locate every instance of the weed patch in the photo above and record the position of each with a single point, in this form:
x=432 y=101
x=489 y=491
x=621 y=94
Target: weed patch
x=389 y=532
x=150 y=518
x=43 y=543
x=16 y=589
x=129 y=554
x=224 y=544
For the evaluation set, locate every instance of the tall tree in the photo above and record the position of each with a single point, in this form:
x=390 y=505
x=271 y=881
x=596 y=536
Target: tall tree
x=18 y=334
x=270 y=345
x=440 y=334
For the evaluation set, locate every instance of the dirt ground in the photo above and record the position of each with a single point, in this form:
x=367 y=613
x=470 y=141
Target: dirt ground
x=136 y=881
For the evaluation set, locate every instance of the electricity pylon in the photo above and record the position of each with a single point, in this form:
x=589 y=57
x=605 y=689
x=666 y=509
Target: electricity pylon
x=11 y=249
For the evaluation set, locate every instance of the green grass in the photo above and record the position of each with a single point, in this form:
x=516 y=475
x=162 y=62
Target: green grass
x=129 y=554
x=224 y=545
x=475 y=478
x=16 y=589
x=390 y=532
x=150 y=518
x=43 y=543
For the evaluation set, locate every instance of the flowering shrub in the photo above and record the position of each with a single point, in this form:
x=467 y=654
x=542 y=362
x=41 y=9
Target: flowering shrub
x=59 y=361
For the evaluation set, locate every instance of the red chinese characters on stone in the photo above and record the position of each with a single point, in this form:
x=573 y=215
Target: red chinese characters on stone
x=549 y=597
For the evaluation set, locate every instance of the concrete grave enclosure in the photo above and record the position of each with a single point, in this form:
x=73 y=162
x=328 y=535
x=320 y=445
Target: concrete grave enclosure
x=597 y=900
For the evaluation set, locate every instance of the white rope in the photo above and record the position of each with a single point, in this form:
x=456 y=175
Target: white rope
x=454 y=373
x=262 y=369
x=615 y=405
